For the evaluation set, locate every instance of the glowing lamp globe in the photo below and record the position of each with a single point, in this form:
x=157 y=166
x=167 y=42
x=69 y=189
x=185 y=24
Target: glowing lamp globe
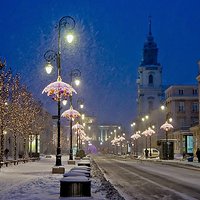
x=77 y=82
x=48 y=68
x=70 y=38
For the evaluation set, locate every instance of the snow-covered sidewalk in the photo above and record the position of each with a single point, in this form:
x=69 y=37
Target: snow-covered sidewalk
x=34 y=181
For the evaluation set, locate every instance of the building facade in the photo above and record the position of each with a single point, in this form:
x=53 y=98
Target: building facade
x=108 y=132
x=183 y=107
x=196 y=128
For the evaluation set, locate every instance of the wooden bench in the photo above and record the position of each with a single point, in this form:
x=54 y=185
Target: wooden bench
x=24 y=160
x=1 y=164
x=7 y=162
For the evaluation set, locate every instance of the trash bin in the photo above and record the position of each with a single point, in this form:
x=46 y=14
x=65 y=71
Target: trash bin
x=190 y=159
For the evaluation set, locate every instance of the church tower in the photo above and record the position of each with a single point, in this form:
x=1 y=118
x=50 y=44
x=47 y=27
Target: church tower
x=149 y=79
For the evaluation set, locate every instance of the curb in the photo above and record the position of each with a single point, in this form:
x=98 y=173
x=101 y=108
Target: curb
x=175 y=164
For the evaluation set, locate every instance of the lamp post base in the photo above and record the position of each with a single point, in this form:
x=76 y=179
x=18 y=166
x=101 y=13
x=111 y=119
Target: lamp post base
x=71 y=154
x=58 y=170
x=71 y=162
x=58 y=160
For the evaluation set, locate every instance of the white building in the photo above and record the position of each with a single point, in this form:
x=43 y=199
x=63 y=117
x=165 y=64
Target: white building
x=149 y=79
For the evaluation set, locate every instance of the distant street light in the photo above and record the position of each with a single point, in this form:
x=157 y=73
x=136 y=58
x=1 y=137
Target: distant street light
x=74 y=74
x=77 y=127
x=71 y=114
x=80 y=102
x=150 y=132
x=121 y=139
x=167 y=127
x=144 y=119
x=135 y=137
x=145 y=133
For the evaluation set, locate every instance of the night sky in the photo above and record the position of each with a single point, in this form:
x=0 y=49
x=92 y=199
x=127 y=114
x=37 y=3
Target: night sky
x=108 y=49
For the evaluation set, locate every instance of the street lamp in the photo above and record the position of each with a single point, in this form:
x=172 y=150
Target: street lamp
x=167 y=127
x=80 y=102
x=135 y=138
x=77 y=127
x=75 y=73
x=145 y=132
x=69 y=23
x=121 y=139
x=150 y=132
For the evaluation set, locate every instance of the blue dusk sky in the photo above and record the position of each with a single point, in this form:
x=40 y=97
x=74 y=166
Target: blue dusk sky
x=110 y=35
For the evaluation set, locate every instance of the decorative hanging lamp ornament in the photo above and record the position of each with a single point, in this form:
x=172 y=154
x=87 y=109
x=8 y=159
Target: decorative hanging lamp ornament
x=71 y=114
x=81 y=133
x=166 y=126
x=121 y=138
x=135 y=136
x=150 y=131
x=59 y=89
x=145 y=133
x=77 y=126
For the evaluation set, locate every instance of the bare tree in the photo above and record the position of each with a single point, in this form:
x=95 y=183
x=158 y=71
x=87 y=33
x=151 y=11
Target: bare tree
x=5 y=82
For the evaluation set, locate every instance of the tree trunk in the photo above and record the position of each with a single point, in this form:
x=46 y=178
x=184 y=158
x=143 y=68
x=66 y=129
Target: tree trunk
x=24 y=144
x=30 y=150
x=2 y=145
x=15 y=147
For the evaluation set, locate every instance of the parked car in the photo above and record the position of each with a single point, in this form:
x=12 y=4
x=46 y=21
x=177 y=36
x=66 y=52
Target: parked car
x=154 y=153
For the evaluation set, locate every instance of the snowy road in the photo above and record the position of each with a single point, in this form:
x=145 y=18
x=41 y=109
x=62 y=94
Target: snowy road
x=148 y=180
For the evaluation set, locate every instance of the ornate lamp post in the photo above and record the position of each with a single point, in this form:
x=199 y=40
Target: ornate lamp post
x=115 y=142
x=77 y=127
x=74 y=74
x=144 y=120
x=121 y=139
x=71 y=114
x=60 y=89
x=167 y=127
x=135 y=137
x=145 y=133
x=150 y=132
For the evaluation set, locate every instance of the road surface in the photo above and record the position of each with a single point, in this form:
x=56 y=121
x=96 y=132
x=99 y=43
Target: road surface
x=149 y=180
